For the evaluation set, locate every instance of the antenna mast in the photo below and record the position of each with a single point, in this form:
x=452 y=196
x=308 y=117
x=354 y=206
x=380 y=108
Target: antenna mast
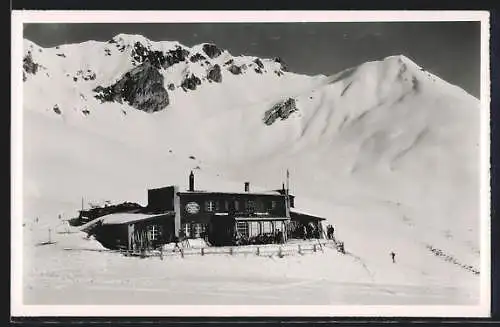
x=287 y=181
x=287 y=200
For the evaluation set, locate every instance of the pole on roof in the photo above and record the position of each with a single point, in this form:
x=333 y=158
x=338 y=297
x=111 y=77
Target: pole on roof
x=287 y=181
x=287 y=200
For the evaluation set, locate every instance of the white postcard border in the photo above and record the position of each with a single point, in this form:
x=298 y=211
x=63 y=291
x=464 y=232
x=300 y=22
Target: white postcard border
x=20 y=17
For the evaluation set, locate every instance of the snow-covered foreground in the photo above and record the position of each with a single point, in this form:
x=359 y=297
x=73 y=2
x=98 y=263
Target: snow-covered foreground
x=186 y=281
x=72 y=271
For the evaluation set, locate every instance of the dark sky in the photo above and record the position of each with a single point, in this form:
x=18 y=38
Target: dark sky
x=450 y=50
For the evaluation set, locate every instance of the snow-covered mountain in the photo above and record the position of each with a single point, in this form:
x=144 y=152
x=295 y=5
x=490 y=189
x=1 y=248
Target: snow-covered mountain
x=387 y=151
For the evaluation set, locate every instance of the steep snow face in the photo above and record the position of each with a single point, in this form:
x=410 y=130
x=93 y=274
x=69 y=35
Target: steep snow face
x=388 y=152
x=385 y=144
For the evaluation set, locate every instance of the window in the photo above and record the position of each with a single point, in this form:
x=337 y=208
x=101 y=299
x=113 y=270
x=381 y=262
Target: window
x=266 y=227
x=236 y=205
x=186 y=228
x=209 y=206
x=259 y=206
x=254 y=228
x=273 y=204
x=198 y=230
x=154 y=232
x=242 y=228
x=251 y=205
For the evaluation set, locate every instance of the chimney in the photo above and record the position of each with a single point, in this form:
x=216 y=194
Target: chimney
x=247 y=186
x=191 y=182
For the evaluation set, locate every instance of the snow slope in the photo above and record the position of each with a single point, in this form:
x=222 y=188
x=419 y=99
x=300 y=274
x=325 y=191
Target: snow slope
x=388 y=152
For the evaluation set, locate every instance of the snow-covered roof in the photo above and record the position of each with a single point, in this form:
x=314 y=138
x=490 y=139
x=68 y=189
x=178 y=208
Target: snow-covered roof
x=230 y=192
x=302 y=212
x=125 y=218
x=261 y=218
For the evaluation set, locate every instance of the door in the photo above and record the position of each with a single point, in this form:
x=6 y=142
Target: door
x=221 y=230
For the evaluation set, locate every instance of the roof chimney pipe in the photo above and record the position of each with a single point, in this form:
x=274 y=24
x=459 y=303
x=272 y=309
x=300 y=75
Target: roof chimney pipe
x=191 y=181
x=247 y=186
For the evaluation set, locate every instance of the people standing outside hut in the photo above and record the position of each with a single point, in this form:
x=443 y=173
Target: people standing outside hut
x=279 y=236
x=332 y=232
x=179 y=239
x=176 y=241
x=393 y=257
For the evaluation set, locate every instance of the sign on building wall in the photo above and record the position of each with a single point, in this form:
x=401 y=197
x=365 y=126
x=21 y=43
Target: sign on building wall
x=192 y=208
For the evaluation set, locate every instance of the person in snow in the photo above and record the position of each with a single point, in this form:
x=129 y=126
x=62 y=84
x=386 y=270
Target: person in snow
x=304 y=229
x=341 y=247
x=393 y=257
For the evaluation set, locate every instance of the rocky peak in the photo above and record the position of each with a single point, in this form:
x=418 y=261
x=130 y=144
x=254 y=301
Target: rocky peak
x=158 y=59
x=282 y=63
x=149 y=64
x=211 y=50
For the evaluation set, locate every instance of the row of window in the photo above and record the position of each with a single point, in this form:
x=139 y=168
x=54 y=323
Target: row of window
x=237 y=205
x=253 y=228
x=194 y=230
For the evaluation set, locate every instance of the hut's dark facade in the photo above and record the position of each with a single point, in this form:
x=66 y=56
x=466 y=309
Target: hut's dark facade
x=221 y=218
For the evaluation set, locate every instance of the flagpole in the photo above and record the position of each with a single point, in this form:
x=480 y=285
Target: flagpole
x=287 y=200
x=287 y=181
x=287 y=205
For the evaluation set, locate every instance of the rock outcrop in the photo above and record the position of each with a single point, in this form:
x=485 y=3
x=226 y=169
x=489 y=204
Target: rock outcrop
x=142 y=88
x=235 y=70
x=211 y=50
x=158 y=59
x=214 y=74
x=87 y=75
x=282 y=63
x=197 y=57
x=190 y=82
x=281 y=110
x=29 y=66
x=259 y=63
